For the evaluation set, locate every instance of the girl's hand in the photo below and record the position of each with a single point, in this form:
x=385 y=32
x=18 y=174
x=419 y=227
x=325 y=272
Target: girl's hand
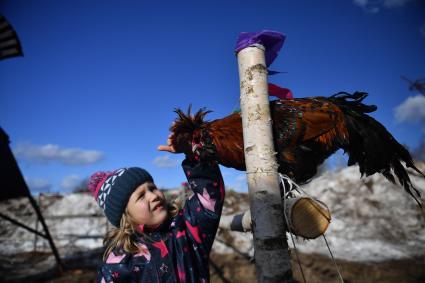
x=169 y=147
x=178 y=143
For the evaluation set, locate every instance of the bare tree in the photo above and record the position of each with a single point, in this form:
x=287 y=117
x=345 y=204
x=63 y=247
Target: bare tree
x=417 y=85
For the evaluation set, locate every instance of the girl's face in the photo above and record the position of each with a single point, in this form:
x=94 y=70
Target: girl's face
x=147 y=205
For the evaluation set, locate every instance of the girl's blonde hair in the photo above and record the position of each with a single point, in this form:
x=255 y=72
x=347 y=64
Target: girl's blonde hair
x=123 y=237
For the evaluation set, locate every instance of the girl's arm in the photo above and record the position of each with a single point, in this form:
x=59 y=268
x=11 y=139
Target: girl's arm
x=203 y=210
x=115 y=269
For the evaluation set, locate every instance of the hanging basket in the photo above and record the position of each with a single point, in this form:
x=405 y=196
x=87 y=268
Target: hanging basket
x=307 y=217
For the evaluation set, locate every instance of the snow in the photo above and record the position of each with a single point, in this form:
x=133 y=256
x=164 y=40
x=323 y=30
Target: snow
x=372 y=220
x=74 y=221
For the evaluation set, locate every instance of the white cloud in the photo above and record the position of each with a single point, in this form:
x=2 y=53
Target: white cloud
x=164 y=161
x=374 y=6
x=70 y=182
x=52 y=152
x=411 y=110
x=38 y=185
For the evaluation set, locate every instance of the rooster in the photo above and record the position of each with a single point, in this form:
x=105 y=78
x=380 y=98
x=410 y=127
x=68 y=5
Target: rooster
x=306 y=132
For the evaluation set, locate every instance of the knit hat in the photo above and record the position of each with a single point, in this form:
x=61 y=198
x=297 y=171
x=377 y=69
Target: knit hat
x=112 y=190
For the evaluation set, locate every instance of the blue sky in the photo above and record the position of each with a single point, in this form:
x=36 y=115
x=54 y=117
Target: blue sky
x=99 y=80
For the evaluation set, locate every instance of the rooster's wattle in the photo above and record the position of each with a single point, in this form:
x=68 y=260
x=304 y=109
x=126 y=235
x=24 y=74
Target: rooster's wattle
x=307 y=131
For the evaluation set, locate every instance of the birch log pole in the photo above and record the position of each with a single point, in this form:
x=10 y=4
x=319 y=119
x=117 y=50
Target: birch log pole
x=272 y=259
x=239 y=222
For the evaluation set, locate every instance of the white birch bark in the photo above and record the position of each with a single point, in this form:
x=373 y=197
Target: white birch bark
x=271 y=248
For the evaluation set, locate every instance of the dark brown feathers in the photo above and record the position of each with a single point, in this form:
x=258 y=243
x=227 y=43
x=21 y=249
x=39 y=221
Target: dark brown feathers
x=226 y=134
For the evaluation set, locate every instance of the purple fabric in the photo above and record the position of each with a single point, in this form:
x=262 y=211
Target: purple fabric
x=271 y=40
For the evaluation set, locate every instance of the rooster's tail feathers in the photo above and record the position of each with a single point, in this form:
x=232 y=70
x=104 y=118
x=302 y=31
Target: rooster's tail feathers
x=372 y=146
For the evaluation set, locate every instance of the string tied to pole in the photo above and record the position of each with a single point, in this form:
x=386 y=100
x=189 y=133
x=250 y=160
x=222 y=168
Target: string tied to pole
x=290 y=190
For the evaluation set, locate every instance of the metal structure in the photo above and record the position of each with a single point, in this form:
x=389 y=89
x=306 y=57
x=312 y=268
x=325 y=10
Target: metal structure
x=9 y=42
x=14 y=186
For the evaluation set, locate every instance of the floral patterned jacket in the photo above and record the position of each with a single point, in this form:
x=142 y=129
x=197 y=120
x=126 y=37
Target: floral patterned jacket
x=178 y=250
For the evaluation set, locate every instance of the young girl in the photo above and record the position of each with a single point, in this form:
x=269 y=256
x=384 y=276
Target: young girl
x=154 y=241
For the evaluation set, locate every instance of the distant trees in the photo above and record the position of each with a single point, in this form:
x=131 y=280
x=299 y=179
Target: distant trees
x=81 y=187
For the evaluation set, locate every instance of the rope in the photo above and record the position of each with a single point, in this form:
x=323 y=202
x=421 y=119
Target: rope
x=295 y=187
x=333 y=259
x=289 y=228
x=301 y=191
x=261 y=172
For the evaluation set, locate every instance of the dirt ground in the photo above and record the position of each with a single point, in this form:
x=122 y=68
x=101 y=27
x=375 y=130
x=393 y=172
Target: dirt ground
x=317 y=268
x=237 y=269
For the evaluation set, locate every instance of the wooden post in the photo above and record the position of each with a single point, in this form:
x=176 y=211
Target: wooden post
x=240 y=222
x=272 y=259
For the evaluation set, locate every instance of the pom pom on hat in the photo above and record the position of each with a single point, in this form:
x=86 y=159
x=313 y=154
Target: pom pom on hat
x=96 y=180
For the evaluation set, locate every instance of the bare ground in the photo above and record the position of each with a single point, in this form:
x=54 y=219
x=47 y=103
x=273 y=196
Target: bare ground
x=233 y=268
